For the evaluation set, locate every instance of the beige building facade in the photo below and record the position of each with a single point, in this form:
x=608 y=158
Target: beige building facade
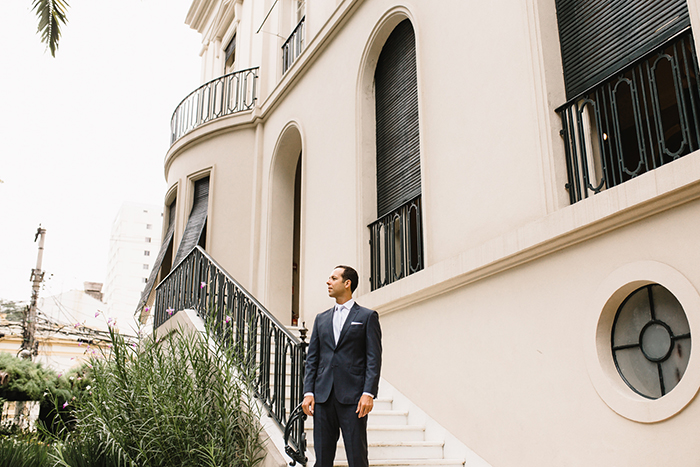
x=537 y=283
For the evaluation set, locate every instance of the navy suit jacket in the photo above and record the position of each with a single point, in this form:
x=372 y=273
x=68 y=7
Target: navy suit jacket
x=350 y=367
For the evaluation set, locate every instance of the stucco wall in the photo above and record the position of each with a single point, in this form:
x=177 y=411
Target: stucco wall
x=481 y=157
x=229 y=160
x=509 y=377
x=493 y=337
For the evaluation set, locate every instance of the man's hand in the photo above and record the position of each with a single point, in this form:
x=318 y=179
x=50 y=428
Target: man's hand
x=308 y=405
x=364 y=406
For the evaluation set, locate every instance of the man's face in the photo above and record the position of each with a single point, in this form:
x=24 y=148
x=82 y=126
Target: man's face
x=336 y=285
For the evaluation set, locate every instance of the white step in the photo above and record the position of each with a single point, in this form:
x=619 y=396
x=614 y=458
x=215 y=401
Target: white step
x=385 y=433
x=406 y=463
x=381 y=404
x=387 y=417
x=404 y=433
x=395 y=433
x=396 y=450
x=378 y=417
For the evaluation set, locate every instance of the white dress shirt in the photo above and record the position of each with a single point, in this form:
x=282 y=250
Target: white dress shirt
x=340 y=315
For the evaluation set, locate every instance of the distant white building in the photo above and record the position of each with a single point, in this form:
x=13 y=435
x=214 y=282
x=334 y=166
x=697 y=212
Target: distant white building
x=134 y=244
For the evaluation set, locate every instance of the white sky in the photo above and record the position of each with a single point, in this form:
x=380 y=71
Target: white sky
x=85 y=131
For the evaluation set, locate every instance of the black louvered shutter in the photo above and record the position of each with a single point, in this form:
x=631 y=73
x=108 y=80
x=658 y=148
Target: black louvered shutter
x=600 y=37
x=231 y=52
x=398 y=141
x=167 y=240
x=196 y=221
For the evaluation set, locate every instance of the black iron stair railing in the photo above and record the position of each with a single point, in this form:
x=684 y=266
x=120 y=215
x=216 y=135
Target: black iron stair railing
x=275 y=357
x=225 y=95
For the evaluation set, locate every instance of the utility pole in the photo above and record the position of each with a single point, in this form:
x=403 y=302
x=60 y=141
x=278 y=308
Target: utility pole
x=30 y=346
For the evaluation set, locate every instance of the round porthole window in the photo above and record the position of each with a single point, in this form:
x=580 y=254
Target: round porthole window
x=651 y=341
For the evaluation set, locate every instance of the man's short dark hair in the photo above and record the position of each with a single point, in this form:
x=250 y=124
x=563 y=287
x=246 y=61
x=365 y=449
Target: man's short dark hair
x=351 y=275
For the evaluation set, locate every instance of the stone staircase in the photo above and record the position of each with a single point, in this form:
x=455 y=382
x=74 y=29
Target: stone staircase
x=399 y=433
x=393 y=441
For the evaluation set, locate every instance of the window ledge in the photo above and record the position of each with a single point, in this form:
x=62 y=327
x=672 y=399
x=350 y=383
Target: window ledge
x=662 y=189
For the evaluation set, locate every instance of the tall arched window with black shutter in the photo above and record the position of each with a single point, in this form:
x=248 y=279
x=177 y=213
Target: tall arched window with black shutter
x=396 y=238
x=196 y=229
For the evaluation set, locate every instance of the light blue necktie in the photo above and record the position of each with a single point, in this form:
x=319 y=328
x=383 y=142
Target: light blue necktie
x=337 y=322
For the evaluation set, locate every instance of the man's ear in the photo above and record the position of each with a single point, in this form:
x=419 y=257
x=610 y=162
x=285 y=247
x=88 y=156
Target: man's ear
x=347 y=284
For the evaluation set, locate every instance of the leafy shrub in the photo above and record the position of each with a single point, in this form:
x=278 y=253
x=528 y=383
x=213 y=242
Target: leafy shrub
x=61 y=396
x=31 y=381
x=27 y=380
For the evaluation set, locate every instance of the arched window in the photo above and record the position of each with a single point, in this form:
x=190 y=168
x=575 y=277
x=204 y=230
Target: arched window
x=396 y=236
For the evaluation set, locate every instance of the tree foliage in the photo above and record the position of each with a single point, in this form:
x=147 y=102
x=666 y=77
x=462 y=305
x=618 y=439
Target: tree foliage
x=31 y=381
x=26 y=380
x=52 y=16
x=14 y=310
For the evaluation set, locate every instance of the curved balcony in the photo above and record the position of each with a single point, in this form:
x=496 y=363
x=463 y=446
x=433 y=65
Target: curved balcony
x=226 y=95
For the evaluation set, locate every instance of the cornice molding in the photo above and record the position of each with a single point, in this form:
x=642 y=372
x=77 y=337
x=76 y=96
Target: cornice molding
x=199 y=13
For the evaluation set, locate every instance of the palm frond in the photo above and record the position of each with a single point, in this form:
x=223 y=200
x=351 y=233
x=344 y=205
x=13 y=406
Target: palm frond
x=52 y=16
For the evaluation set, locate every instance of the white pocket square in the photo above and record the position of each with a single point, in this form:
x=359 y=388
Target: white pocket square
x=354 y=323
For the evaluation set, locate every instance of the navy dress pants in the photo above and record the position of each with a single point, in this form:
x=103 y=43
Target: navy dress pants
x=332 y=417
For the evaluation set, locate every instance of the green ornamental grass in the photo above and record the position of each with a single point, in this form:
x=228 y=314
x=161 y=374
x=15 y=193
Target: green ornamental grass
x=175 y=401
x=24 y=451
x=179 y=400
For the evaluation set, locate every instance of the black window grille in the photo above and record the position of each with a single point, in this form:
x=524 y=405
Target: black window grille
x=645 y=116
x=293 y=46
x=396 y=241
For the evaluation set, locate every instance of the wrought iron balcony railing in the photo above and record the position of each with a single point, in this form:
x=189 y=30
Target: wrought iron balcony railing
x=275 y=357
x=396 y=244
x=638 y=120
x=226 y=95
x=293 y=46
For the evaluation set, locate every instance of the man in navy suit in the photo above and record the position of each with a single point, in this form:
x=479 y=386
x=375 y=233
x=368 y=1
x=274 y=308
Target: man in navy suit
x=342 y=372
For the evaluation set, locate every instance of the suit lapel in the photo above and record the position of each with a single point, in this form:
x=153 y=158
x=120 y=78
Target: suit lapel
x=328 y=328
x=351 y=317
